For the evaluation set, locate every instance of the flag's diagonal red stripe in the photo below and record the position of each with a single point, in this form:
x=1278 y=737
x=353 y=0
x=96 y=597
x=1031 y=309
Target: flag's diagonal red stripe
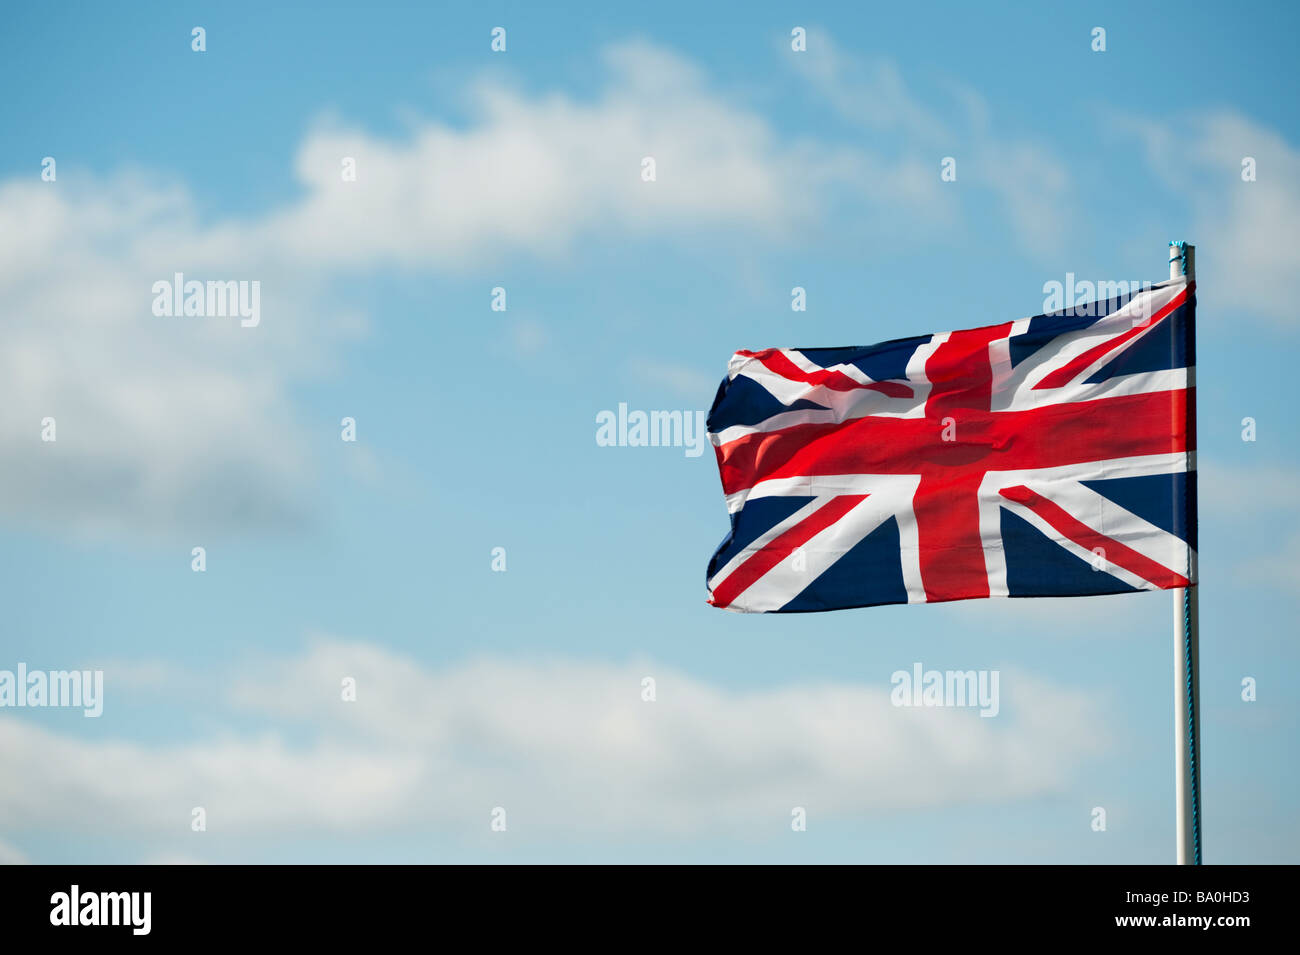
x=1068 y=372
x=780 y=547
x=1073 y=529
x=775 y=360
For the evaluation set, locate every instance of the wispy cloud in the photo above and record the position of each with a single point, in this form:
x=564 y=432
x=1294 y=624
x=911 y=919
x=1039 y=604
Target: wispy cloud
x=1246 y=231
x=570 y=746
x=678 y=380
x=10 y=855
x=1029 y=181
x=168 y=423
x=1243 y=505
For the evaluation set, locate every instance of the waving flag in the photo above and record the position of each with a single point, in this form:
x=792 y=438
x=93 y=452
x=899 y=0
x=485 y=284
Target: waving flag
x=1046 y=457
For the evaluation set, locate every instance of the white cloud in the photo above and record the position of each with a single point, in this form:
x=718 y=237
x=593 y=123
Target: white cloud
x=868 y=92
x=1231 y=492
x=679 y=380
x=1246 y=233
x=1280 y=569
x=1029 y=181
x=1245 y=505
x=1032 y=184
x=166 y=424
x=527 y=337
x=10 y=855
x=564 y=745
x=533 y=174
x=159 y=421
x=169 y=424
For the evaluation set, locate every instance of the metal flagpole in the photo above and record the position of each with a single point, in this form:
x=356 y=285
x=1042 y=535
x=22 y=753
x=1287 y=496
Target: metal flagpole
x=1187 y=693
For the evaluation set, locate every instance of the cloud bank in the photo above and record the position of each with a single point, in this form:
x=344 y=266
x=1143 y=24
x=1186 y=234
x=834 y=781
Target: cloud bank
x=565 y=746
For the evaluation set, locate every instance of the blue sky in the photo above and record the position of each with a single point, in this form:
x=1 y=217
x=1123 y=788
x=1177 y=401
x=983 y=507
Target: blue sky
x=475 y=428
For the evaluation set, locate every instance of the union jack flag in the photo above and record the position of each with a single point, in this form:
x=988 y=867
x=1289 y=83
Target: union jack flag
x=1047 y=457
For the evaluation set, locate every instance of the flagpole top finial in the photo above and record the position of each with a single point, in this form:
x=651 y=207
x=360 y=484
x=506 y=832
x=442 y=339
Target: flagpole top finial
x=1182 y=260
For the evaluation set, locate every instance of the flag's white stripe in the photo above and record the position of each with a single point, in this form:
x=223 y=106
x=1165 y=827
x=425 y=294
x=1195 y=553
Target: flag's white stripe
x=806 y=364
x=990 y=511
x=909 y=542
x=1145 y=383
x=839 y=405
x=900 y=486
x=1000 y=355
x=842 y=405
x=758 y=543
x=1085 y=372
x=1135 y=466
x=1083 y=553
x=1069 y=345
x=1109 y=519
x=1014 y=388
x=891 y=495
x=845 y=407
x=1059 y=484
x=784 y=582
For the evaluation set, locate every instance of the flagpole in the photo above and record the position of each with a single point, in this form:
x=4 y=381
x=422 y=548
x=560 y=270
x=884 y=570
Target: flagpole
x=1187 y=692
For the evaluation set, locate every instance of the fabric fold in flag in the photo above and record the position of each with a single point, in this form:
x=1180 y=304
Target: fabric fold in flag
x=1051 y=456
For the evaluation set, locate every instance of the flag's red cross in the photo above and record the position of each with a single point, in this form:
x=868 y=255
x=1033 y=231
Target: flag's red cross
x=946 y=501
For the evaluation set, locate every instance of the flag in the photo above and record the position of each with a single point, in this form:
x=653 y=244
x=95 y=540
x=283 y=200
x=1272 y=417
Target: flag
x=1046 y=457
